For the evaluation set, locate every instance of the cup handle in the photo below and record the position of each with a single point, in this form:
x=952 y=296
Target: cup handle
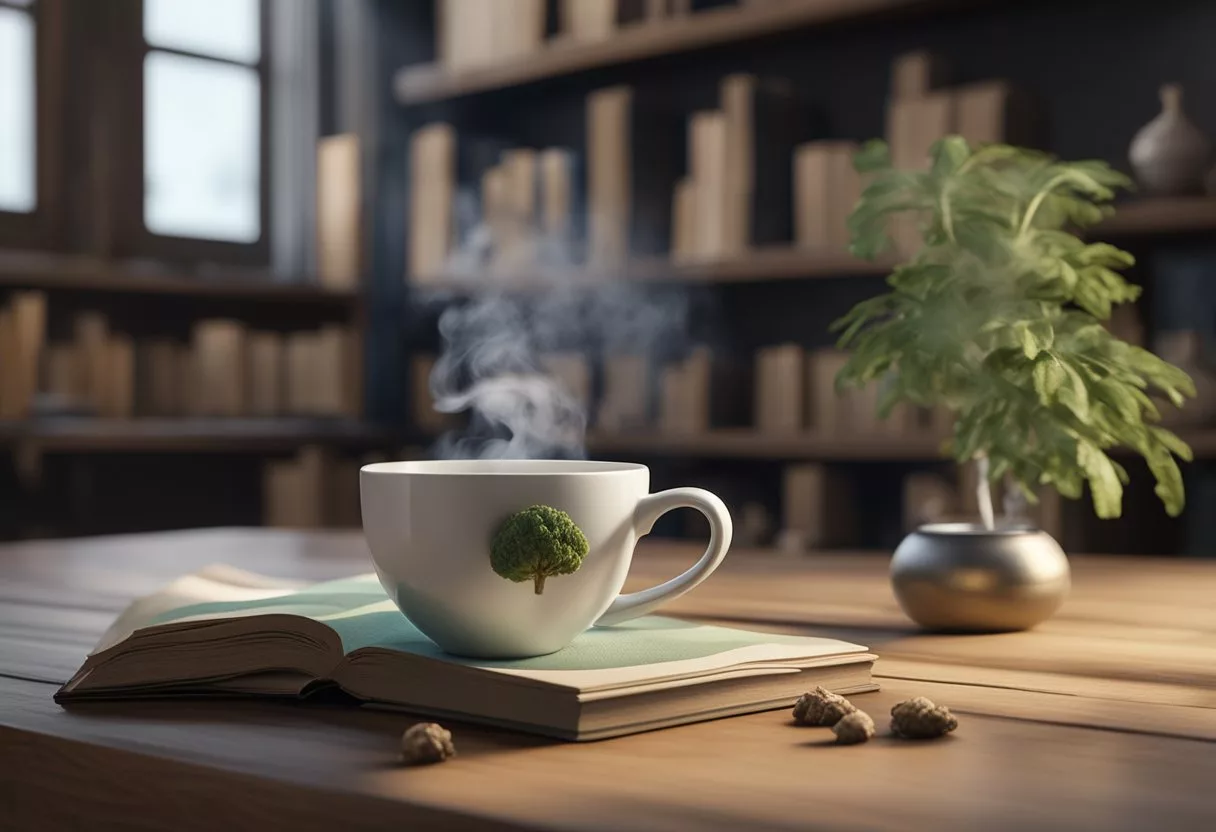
x=648 y=510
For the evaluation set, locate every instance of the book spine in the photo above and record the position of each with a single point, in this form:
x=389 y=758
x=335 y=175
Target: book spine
x=608 y=176
x=708 y=149
x=339 y=207
x=432 y=200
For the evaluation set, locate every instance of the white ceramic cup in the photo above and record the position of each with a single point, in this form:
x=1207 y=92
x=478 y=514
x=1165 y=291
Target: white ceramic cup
x=429 y=527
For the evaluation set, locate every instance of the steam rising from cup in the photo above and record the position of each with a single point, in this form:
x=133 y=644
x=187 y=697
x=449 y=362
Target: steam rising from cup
x=494 y=344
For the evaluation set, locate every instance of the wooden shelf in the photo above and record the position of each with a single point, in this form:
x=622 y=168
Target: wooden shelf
x=1161 y=216
x=431 y=82
x=1151 y=216
x=190 y=435
x=747 y=443
x=773 y=263
x=73 y=273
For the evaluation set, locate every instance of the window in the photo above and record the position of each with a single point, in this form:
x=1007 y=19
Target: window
x=18 y=113
x=203 y=120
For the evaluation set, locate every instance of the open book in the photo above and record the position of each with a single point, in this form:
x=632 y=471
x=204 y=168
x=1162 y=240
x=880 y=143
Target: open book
x=226 y=632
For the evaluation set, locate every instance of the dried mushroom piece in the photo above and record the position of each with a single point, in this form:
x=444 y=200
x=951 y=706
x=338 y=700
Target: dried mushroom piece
x=853 y=728
x=919 y=719
x=426 y=742
x=821 y=707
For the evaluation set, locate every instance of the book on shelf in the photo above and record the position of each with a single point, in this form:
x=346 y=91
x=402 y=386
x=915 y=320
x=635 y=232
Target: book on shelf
x=608 y=193
x=91 y=333
x=684 y=221
x=339 y=211
x=765 y=121
x=826 y=189
x=996 y=111
x=780 y=398
x=625 y=400
x=572 y=372
x=220 y=362
x=223 y=632
x=560 y=208
x=265 y=374
x=119 y=401
x=296 y=491
x=189 y=391
x=519 y=27
x=516 y=231
x=62 y=375
x=157 y=377
x=708 y=162
x=917 y=73
x=477 y=33
x=817 y=508
x=23 y=324
x=587 y=20
x=828 y=410
x=635 y=154
x=432 y=200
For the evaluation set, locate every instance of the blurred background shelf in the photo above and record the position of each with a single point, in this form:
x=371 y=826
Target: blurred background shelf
x=1162 y=216
x=1153 y=216
x=85 y=434
x=748 y=443
x=761 y=264
x=712 y=27
x=87 y=274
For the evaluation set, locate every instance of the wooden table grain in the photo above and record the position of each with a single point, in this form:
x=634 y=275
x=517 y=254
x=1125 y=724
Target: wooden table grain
x=1104 y=717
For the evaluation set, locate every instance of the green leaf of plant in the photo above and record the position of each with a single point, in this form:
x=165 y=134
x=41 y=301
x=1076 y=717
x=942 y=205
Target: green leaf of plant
x=1049 y=377
x=872 y=156
x=1073 y=394
x=1172 y=443
x=948 y=155
x=1104 y=483
x=1170 y=488
x=1034 y=337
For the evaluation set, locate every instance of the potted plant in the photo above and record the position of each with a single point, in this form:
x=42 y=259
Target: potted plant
x=999 y=318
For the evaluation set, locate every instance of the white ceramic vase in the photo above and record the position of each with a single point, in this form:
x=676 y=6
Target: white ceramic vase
x=1170 y=155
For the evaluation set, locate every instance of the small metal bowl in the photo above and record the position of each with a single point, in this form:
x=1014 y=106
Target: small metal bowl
x=962 y=577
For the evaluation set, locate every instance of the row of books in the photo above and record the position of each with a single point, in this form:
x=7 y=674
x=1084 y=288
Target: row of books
x=224 y=369
x=22 y=332
x=649 y=182
x=790 y=391
x=819 y=508
x=479 y=205
x=316 y=488
x=477 y=33
x=795 y=390
x=689 y=396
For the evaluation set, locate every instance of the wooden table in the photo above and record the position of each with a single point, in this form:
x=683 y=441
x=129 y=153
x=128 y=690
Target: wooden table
x=1102 y=718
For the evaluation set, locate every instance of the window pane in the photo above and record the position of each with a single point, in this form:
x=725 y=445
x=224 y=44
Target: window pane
x=17 y=120
x=201 y=160
x=223 y=28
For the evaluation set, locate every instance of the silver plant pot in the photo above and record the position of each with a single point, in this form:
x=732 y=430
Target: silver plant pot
x=960 y=577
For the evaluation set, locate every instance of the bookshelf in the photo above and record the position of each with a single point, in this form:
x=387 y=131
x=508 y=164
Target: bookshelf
x=1143 y=218
x=843 y=59
x=51 y=272
x=148 y=435
x=748 y=443
x=1161 y=216
x=713 y=27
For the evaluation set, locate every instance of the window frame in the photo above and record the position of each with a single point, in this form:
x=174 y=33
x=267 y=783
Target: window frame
x=134 y=237
x=41 y=228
